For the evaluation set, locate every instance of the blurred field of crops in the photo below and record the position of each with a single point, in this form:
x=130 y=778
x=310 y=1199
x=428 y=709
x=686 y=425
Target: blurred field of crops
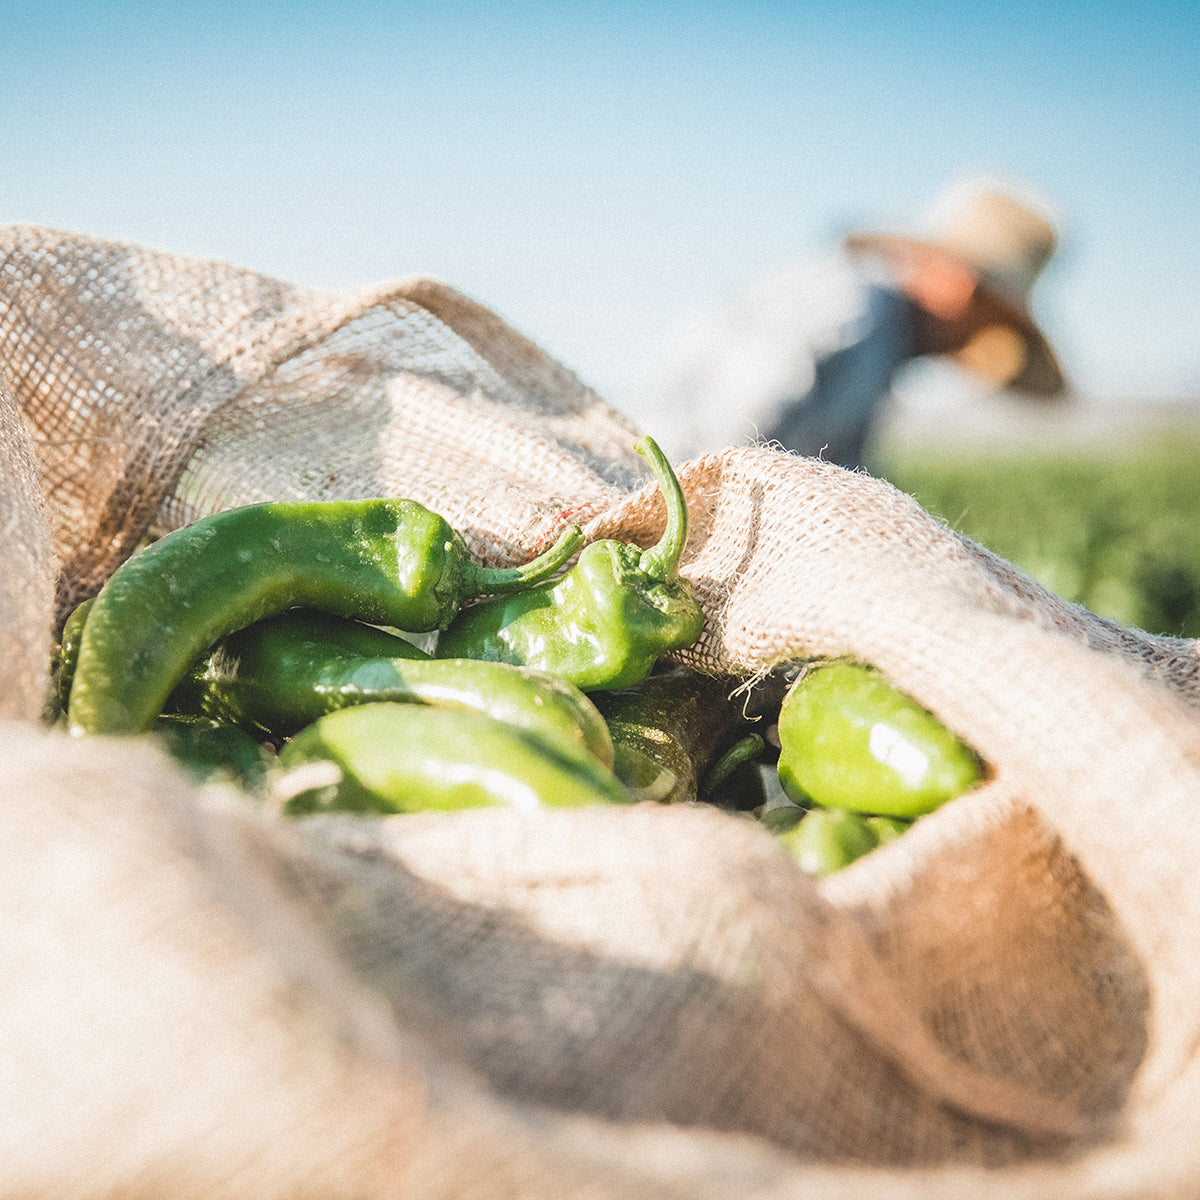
x=1115 y=528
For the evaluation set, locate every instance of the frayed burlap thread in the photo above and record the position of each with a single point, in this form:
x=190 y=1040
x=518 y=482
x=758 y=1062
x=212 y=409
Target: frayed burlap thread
x=205 y=1000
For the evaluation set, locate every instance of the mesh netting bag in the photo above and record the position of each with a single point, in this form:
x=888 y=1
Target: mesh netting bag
x=201 y=999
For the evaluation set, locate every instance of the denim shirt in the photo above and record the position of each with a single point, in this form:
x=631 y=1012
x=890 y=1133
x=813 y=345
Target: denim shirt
x=805 y=359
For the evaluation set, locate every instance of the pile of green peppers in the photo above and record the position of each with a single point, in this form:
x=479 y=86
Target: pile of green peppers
x=275 y=647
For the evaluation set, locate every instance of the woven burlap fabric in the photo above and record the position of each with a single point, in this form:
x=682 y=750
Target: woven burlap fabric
x=27 y=579
x=205 y=1001
x=160 y=387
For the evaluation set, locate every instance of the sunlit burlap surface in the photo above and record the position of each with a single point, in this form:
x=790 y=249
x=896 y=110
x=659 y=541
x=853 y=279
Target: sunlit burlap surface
x=201 y=1000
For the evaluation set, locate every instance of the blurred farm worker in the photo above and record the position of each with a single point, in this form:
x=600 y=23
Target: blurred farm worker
x=807 y=357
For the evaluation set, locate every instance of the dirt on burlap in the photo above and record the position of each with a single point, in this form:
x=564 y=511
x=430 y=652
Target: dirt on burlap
x=204 y=1000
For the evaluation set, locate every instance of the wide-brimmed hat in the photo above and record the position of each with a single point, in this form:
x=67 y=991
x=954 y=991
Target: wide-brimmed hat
x=1005 y=243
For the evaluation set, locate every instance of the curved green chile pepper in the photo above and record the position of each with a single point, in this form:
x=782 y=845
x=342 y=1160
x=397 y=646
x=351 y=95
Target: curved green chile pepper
x=669 y=731
x=888 y=829
x=822 y=840
x=848 y=739
x=734 y=780
x=213 y=751
x=782 y=817
x=398 y=758
x=282 y=673
x=390 y=562
x=606 y=622
x=68 y=650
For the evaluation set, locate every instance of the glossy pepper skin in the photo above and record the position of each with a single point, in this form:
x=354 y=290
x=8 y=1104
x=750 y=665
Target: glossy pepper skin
x=671 y=732
x=68 y=650
x=398 y=758
x=822 y=840
x=607 y=621
x=850 y=740
x=282 y=673
x=211 y=751
x=387 y=561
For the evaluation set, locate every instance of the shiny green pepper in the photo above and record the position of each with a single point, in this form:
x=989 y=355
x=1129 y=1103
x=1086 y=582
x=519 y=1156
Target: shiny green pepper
x=211 y=751
x=822 y=840
x=607 y=621
x=282 y=673
x=68 y=650
x=888 y=829
x=386 y=561
x=679 y=735
x=850 y=740
x=398 y=758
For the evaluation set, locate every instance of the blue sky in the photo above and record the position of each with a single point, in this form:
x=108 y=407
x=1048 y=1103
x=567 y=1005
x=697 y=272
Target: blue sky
x=598 y=172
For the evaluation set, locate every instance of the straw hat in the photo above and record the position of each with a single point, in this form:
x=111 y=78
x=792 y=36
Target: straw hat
x=1006 y=244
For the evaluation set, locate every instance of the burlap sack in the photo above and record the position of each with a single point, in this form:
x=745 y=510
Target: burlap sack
x=201 y=1000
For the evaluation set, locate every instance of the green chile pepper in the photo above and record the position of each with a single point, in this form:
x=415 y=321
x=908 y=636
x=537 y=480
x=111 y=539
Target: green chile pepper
x=390 y=562
x=850 y=740
x=670 y=734
x=68 y=651
x=213 y=751
x=606 y=622
x=282 y=673
x=824 y=840
x=782 y=817
x=398 y=758
x=888 y=829
x=734 y=780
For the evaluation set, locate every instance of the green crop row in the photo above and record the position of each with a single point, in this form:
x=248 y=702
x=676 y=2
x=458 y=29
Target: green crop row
x=1117 y=530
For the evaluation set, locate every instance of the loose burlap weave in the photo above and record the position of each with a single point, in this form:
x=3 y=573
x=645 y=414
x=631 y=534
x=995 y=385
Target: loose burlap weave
x=202 y=1000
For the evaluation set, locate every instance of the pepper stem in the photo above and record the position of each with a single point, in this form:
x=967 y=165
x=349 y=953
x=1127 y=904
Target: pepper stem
x=501 y=580
x=662 y=561
x=744 y=750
